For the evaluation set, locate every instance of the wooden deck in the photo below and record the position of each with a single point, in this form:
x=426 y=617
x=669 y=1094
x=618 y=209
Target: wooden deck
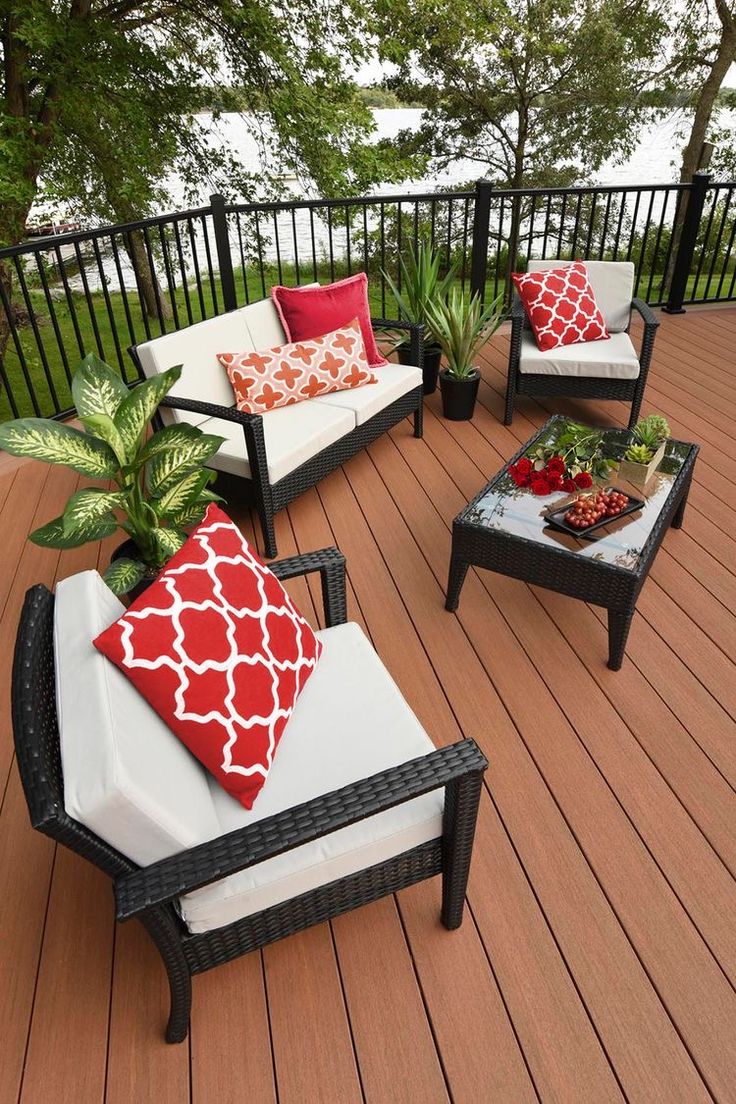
x=597 y=960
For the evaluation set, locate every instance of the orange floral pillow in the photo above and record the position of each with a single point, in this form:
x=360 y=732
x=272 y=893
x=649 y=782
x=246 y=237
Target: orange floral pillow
x=288 y=374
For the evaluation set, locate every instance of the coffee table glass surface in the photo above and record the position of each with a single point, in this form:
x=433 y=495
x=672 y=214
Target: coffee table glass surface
x=504 y=507
x=504 y=529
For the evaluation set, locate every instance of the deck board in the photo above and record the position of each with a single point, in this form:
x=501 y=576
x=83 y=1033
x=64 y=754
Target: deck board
x=597 y=961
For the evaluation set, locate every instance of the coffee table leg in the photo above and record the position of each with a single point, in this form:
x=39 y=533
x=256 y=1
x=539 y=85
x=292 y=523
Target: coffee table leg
x=680 y=512
x=618 y=631
x=455 y=580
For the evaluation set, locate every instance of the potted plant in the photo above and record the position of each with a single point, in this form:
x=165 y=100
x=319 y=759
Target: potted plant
x=462 y=326
x=421 y=284
x=646 y=450
x=159 y=482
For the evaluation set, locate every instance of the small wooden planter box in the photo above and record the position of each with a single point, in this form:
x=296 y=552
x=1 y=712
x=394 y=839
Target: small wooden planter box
x=641 y=473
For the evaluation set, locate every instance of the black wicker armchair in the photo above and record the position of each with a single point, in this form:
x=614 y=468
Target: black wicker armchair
x=578 y=386
x=150 y=893
x=269 y=497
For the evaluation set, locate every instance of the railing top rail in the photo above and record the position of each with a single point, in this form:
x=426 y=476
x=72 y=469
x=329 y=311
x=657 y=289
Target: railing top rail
x=348 y=201
x=51 y=241
x=589 y=189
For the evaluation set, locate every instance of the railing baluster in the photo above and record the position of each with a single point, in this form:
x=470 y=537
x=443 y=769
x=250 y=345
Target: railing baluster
x=347 y=239
x=183 y=271
x=398 y=246
x=89 y=302
x=277 y=243
x=383 y=260
x=69 y=299
x=642 y=251
x=657 y=243
x=563 y=212
x=197 y=273
x=729 y=249
x=716 y=247
x=210 y=269
x=54 y=319
x=332 y=251
x=169 y=275
x=124 y=297
x=296 y=246
x=634 y=218
x=20 y=353
x=36 y=332
x=619 y=225
x=108 y=304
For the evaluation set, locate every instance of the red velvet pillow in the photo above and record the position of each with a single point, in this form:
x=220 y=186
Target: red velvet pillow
x=216 y=646
x=309 y=312
x=288 y=374
x=560 y=306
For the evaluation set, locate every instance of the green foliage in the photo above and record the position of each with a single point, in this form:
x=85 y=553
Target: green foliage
x=161 y=484
x=421 y=284
x=639 y=454
x=581 y=448
x=652 y=431
x=99 y=101
x=462 y=326
x=536 y=94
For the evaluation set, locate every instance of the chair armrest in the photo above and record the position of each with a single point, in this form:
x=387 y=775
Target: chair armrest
x=330 y=563
x=650 y=318
x=168 y=879
x=211 y=410
x=517 y=314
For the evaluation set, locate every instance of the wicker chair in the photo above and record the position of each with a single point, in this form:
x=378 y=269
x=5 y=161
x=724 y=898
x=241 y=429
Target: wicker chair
x=152 y=893
x=590 y=370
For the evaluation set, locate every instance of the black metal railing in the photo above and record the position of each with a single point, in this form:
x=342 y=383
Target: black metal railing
x=102 y=290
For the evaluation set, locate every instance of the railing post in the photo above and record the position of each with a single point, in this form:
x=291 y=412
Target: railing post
x=479 y=250
x=685 y=244
x=224 y=258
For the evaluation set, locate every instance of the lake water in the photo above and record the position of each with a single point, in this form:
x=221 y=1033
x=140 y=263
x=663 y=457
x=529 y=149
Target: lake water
x=652 y=162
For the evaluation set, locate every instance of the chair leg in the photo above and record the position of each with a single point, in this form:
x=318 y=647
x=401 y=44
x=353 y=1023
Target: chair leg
x=462 y=797
x=508 y=416
x=419 y=419
x=636 y=407
x=265 y=516
x=163 y=932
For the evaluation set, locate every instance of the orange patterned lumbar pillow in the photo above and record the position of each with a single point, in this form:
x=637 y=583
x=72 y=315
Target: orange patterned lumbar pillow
x=288 y=374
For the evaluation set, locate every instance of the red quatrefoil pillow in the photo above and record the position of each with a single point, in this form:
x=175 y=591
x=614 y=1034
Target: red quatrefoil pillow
x=560 y=306
x=288 y=374
x=216 y=646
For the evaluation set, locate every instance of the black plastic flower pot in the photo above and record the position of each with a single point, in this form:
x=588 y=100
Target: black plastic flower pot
x=432 y=354
x=458 y=396
x=128 y=550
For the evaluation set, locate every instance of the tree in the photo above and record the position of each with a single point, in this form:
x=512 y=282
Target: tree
x=537 y=92
x=703 y=55
x=99 y=96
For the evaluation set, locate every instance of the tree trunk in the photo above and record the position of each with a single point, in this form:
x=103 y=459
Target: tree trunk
x=154 y=302
x=724 y=57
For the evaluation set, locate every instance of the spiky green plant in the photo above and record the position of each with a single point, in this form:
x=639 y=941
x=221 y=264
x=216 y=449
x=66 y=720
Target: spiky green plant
x=651 y=431
x=420 y=283
x=160 y=482
x=462 y=326
x=639 y=454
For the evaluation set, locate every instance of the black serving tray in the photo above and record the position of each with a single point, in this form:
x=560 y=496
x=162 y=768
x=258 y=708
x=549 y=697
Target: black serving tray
x=555 y=518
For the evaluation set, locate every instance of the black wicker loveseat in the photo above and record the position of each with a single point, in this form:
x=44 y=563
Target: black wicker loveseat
x=152 y=892
x=266 y=480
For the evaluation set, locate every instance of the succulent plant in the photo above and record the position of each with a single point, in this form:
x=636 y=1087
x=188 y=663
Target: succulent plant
x=639 y=454
x=651 y=431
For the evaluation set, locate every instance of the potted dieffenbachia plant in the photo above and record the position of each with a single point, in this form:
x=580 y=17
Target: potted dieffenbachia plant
x=156 y=485
x=462 y=326
x=646 y=450
x=421 y=284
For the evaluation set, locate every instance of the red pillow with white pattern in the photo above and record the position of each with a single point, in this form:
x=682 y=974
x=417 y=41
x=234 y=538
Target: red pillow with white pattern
x=288 y=374
x=560 y=306
x=216 y=646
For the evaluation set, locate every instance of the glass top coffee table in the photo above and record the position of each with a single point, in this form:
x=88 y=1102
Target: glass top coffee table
x=503 y=529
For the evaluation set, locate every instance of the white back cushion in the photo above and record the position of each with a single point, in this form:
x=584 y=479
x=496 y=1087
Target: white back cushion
x=613 y=286
x=126 y=776
x=264 y=325
x=203 y=378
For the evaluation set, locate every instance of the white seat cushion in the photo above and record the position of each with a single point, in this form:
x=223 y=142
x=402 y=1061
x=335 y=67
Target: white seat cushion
x=203 y=378
x=126 y=776
x=293 y=434
x=611 y=358
x=349 y=723
x=613 y=287
x=394 y=380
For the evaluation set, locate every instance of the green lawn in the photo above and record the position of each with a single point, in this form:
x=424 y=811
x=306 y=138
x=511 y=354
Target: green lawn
x=108 y=324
